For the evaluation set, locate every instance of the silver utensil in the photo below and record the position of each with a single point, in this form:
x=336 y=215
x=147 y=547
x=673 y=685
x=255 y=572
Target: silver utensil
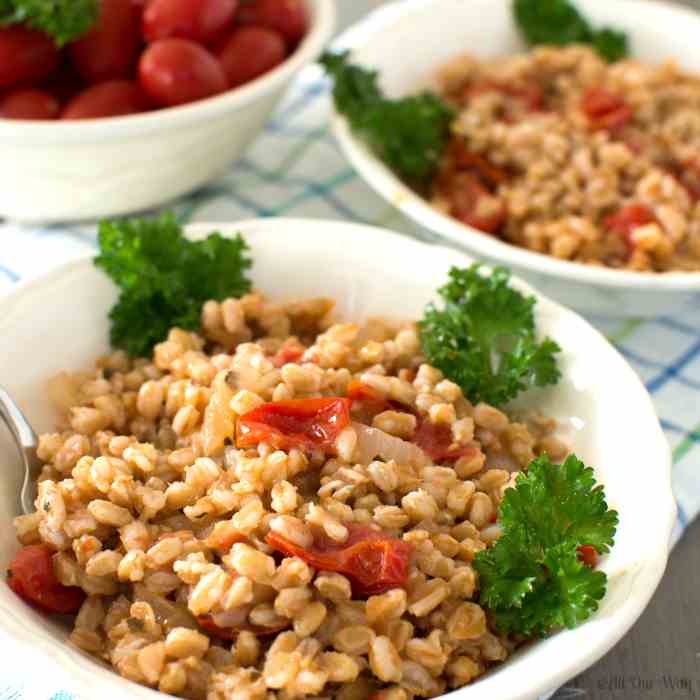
x=27 y=442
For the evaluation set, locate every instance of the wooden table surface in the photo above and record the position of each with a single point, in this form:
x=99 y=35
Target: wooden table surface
x=660 y=657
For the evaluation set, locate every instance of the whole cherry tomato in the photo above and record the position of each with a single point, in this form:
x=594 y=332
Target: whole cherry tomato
x=27 y=103
x=249 y=52
x=113 y=98
x=288 y=17
x=109 y=50
x=177 y=71
x=26 y=56
x=199 y=20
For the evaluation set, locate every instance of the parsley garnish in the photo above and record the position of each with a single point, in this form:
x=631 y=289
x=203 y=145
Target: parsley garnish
x=408 y=134
x=165 y=278
x=484 y=337
x=63 y=20
x=531 y=579
x=559 y=23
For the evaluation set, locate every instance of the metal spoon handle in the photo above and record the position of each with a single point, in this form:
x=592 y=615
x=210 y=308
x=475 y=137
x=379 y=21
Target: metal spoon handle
x=27 y=443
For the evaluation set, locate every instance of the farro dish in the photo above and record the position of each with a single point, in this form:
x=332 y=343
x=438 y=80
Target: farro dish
x=284 y=504
x=562 y=153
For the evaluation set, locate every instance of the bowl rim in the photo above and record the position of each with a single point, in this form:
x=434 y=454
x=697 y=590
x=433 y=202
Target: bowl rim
x=323 y=21
x=78 y=675
x=383 y=180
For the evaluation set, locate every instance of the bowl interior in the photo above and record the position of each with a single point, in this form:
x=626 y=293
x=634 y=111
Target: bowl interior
x=59 y=322
x=485 y=28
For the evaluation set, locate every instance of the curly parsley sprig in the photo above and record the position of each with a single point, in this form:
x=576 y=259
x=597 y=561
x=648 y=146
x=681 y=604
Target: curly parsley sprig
x=532 y=579
x=558 y=22
x=408 y=134
x=483 y=338
x=63 y=20
x=165 y=278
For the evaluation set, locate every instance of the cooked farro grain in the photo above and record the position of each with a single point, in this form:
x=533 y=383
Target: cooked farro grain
x=561 y=153
x=174 y=533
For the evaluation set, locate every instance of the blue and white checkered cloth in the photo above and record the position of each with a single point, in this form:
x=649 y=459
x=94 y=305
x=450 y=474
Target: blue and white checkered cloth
x=295 y=169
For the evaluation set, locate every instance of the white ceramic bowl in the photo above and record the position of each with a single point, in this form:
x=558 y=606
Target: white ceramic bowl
x=433 y=31
x=59 y=321
x=55 y=171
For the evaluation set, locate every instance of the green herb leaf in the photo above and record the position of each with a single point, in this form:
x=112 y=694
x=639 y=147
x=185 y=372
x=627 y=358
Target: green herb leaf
x=63 y=20
x=610 y=44
x=558 y=23
x=531 y=579
x=165 y=278
x=484 y=337
x=408 y=134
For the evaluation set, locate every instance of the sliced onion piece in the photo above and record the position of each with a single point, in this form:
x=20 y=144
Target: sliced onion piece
x=373 y=443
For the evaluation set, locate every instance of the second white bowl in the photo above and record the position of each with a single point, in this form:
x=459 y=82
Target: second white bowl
x=438 y=30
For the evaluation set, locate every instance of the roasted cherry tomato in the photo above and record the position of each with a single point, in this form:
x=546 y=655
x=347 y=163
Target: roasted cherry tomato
x=464 y=160
x=178 y=71
x=110 y=49
x=288 y=17
x=230 y=633
x=291 y=352
x=605 y=111
x=29 y=104
x=306 y=424
x=435 y=439
x=32 y=578
x=372 y=560
x=26 y=56
x=627 y=219
x=473 y=204
x=249 y=52
x=587 y=555
x=113 y=98
x=199 y=20
x=358 y=391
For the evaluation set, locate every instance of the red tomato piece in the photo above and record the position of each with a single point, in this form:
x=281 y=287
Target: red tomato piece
x=110 y=49
x=357 y=391
x=605 y=111
x=29 y=104
x=372 y=560
x=113 y=98
x=473 y=204
x=178 y=71
x=587 y=555
x=223 y=542
x=627 y=219
x=249 y=52
x=26 y=56
x=367 y=402
x=465 y=160
x=307 y=424
x=435 y=439
x=32 y=578
x=199 y=20
x=288 y=17
x=231 y=633
x=288 y=353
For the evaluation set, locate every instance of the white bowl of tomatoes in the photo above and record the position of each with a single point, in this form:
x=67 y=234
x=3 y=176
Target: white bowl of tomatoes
x=153 y=100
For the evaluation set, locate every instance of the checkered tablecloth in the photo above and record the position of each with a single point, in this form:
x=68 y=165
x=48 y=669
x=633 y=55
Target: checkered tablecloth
x=295 y=169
